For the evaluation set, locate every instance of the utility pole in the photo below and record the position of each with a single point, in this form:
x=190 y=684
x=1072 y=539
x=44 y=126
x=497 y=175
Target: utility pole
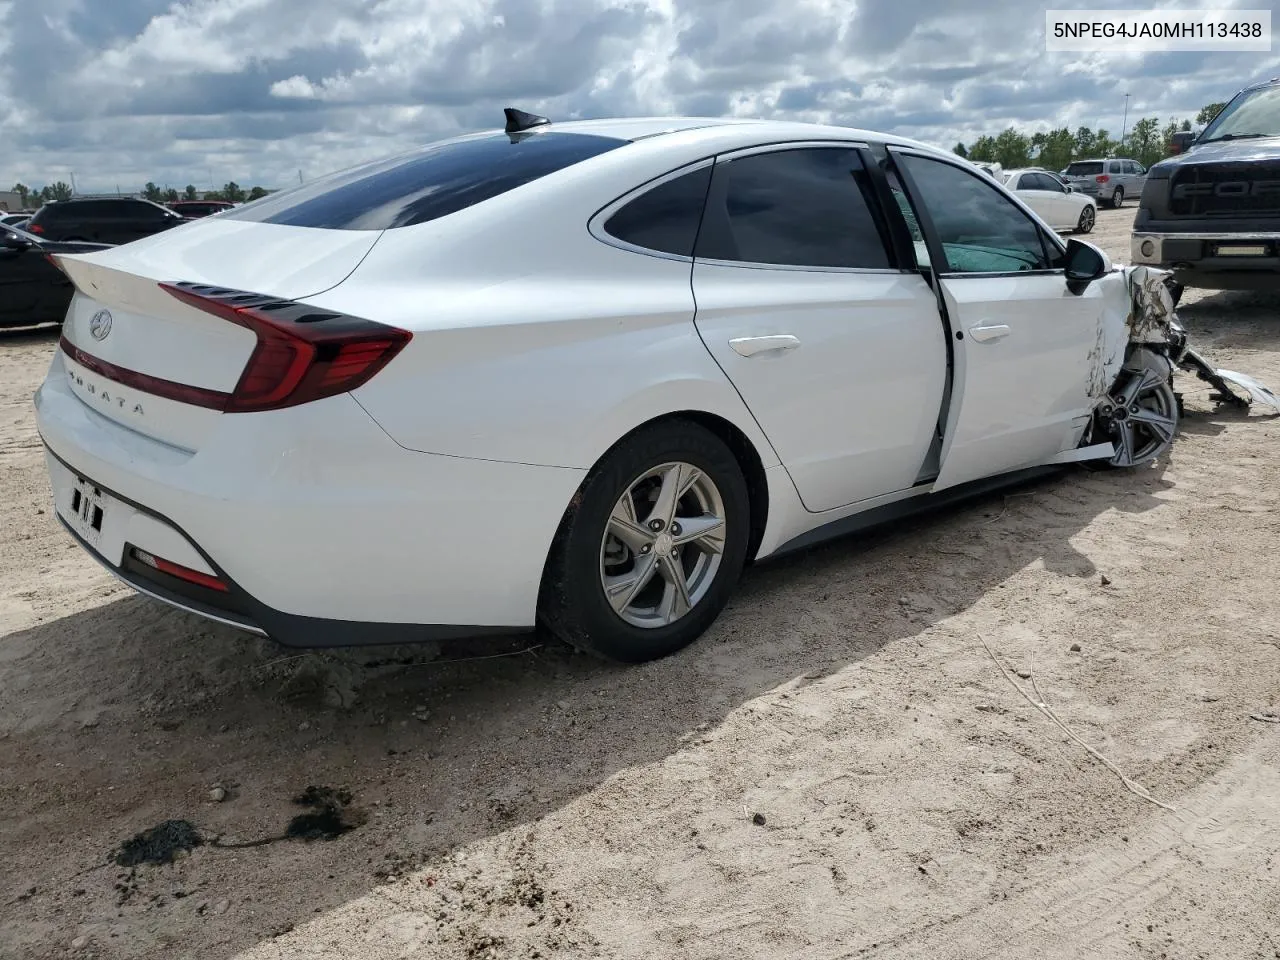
x=73 y=183
x=1124 y=126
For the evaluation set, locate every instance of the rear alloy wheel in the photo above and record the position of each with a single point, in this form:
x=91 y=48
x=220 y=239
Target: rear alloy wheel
x=1087 y=218
x=1117 y=198
x=648 y=554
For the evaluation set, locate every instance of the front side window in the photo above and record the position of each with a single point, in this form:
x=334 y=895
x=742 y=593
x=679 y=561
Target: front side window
x=980 y=229
x=665 y=218
x=437 y=180
x=805 y=207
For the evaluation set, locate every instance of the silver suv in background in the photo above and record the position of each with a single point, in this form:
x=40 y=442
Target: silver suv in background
x=1111 y=180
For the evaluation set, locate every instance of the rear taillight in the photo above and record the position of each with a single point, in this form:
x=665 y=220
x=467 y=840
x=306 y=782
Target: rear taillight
x=34 y=228
x=178 y=570
x=1102 y=178
x=303 y=353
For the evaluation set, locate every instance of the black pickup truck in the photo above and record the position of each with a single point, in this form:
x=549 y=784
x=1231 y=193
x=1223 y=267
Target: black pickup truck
x=1212 y=213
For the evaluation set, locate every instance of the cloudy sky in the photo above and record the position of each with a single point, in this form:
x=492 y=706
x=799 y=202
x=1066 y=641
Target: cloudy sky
x=205 y=91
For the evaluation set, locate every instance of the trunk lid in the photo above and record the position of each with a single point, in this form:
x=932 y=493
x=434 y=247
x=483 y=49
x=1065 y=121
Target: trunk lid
x=123 y=332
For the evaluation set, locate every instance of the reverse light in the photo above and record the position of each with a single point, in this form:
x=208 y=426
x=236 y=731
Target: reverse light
x=303 y=353
x=178 y=570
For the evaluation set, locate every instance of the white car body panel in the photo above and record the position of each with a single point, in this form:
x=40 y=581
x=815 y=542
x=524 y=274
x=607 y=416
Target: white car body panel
x=326 y=500
x=1022 y=370
x=603 y=340
x=861 y=337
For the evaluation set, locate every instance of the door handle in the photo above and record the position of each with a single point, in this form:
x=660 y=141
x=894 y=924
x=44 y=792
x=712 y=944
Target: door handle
x=750 y=346
x=983 y=332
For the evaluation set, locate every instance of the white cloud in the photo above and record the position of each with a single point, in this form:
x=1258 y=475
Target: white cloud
x=252 y=90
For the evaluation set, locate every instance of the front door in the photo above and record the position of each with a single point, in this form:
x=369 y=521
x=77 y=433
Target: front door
x=836 y=348
x=1021 y=341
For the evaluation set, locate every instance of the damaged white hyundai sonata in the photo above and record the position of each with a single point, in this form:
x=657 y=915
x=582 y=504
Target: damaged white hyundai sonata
x=578 y=374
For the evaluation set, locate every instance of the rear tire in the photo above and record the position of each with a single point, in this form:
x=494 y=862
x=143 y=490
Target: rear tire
x=627 y=494
x=1117 y=198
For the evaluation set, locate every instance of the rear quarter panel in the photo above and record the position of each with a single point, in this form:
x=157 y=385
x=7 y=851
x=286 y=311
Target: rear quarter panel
x=549 y=367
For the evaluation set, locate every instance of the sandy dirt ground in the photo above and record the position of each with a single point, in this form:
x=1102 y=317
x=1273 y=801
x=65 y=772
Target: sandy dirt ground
x=849 y=765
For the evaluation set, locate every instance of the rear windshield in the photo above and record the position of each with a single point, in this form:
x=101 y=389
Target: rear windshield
x=1084 y=169
x=437 y=180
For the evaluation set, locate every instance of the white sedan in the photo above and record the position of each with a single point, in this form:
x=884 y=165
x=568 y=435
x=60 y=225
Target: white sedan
x=574 y=374
x=1052 y=200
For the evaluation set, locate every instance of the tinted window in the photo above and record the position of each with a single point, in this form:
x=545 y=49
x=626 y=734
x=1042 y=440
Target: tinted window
x=804 y=208
x=980 y=229
x=145 y=211
x=665 y=218
x=432 y=182
x=1087 y=169
x=93 y=209
x=1045 y=182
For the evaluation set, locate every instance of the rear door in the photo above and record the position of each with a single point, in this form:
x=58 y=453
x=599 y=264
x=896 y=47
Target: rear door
x=1021 y=340
x=835 y=344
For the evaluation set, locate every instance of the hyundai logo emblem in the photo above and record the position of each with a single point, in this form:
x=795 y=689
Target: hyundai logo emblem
x=100 y=325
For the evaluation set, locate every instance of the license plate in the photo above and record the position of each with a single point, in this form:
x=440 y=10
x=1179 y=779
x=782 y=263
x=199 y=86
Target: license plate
x=86 y=510
x=1242 y=250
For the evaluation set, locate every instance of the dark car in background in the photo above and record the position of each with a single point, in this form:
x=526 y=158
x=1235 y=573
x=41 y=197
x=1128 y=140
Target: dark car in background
x=110 y=220
x=195 y=209
x=32 y=289
x=1211 y=213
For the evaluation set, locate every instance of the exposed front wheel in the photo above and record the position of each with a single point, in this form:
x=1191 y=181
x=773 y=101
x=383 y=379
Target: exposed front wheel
x=1117 y=198
x=1140 y=413
x=650 y=549
x=1086 y=221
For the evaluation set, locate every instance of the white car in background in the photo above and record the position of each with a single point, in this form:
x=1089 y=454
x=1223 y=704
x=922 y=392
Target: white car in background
x=573 y=374
x=1052 y=200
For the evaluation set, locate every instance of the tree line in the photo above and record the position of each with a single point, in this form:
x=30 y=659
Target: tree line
x=58 y=190
x=1147 y=143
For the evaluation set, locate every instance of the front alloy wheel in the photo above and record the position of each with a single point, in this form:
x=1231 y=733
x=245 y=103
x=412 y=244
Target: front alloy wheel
x=1141 y=417
x=1087 y=218
x=651 y=547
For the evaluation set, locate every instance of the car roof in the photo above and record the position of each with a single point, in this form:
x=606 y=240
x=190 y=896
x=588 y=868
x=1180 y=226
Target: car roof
x=716 y=128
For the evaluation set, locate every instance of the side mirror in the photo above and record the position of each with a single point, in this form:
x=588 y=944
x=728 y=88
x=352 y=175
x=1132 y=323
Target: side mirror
x=1083 y=265
x=1069 y=188
x=1180 y=141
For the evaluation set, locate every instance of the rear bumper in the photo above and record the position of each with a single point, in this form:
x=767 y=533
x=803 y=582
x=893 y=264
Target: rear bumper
x=321 y=530
x=1221 y=259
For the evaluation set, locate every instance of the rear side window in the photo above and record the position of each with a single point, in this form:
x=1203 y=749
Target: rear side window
x=91 y=209
x=1087 y=169
x=437 y=180
x=809 y=207
x=665 y=218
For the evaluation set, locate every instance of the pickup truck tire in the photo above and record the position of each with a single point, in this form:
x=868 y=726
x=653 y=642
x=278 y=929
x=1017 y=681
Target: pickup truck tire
x=1117 y=198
